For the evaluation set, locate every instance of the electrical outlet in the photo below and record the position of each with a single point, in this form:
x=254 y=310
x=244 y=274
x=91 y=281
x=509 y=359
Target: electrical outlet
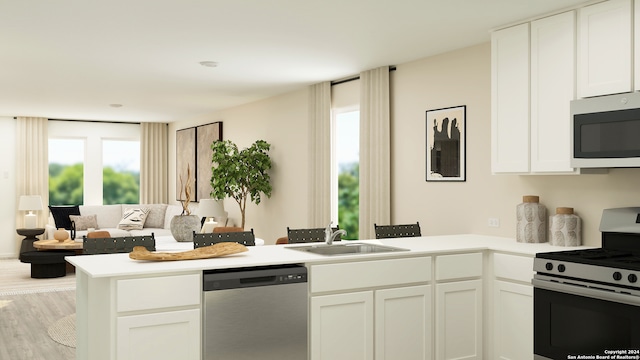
x=493 y=222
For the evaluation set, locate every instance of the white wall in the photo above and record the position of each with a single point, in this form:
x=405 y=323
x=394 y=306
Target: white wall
x=282 y=122
x=9 y=239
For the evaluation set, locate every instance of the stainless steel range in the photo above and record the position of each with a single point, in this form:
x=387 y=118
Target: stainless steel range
x=587 y=302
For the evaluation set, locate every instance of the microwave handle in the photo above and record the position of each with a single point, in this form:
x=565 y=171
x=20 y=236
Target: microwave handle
x=586 y=292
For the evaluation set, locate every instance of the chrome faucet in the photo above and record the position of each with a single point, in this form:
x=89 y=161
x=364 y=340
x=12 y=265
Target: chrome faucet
x=329 y=235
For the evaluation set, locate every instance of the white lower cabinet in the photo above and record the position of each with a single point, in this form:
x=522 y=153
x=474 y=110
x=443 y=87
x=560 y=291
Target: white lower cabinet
x=459 y=320
x=403 y=323
x=513 y=321
x=361 y=310
x=166 y=335
x=342 y=326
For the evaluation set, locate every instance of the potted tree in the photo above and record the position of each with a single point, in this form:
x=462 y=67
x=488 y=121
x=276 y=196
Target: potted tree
x=183 y=225
x=240 y=174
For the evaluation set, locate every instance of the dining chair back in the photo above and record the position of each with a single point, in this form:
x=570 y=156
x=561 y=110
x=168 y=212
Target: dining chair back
x=396 y=231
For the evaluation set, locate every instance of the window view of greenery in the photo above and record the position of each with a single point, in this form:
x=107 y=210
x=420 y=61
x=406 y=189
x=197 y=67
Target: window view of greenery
x=66 y=171
x=121 y=172
x=348 y=159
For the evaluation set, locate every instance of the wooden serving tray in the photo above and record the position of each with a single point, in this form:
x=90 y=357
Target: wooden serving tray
x=205 y=252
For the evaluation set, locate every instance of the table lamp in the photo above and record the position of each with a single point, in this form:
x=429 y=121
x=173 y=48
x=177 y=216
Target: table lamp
x=30 y=203
x=213 y=210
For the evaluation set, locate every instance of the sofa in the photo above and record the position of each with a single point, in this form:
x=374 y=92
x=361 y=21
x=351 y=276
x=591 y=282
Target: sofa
x=111 y=218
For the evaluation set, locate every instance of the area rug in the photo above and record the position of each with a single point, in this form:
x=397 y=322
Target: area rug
x=63 y=331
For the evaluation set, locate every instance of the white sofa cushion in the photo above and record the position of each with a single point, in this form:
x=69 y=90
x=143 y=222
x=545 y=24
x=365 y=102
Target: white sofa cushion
x=133 y=218
x=108 y=216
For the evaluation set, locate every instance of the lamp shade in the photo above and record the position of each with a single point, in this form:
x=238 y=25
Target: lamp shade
x=30 y=203
x=211 y=208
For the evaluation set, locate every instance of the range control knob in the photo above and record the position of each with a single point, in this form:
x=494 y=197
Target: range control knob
x=632 y=278
x=617 y=275
x=548 y=266
x=561 y=268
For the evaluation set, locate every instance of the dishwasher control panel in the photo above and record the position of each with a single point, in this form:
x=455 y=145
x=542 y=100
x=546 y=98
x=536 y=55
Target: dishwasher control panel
x=253 y=277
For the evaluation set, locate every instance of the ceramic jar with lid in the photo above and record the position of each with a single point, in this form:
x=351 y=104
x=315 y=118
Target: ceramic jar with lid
x=565 y=228
x=532 y=220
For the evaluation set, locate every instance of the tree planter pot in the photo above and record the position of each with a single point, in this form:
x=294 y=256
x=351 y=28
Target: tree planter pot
x=183 y=226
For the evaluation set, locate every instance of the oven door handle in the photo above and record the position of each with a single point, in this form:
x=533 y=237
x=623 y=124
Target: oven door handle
x=586 y=292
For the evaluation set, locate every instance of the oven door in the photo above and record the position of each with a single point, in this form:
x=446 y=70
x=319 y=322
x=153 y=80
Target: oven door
x=576 y=320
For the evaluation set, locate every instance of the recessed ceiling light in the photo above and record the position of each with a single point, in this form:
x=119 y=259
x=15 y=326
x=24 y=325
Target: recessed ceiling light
x=115 y=105
x=208 y=63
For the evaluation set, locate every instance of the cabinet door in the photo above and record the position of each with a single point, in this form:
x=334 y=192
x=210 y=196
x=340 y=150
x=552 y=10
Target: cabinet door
x=157 y=336
x=513 y=321
x=342 y=326
x=510 y=100
x=403 y=323
x=552 y=89
x=604 y=48
x=459 y=320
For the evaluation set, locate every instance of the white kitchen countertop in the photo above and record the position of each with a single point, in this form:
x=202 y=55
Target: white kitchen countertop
x=110 y=265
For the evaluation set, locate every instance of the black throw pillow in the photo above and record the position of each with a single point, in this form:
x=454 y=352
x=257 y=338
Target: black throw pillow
x=61 y=215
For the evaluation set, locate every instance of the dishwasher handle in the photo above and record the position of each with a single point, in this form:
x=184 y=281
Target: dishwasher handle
x=253 y=277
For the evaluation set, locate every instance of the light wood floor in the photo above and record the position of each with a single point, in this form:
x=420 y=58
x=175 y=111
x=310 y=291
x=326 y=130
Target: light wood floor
x=27 y=308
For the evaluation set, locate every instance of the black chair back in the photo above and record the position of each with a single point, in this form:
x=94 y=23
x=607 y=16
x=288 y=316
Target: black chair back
x=396 y=231
x=246 y=238
x=309 y=235
x=110 y=245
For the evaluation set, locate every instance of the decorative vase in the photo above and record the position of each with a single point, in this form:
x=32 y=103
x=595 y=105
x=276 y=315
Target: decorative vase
x=565 y=228
x=532 y=220
x=183 y=226
x=61 y=234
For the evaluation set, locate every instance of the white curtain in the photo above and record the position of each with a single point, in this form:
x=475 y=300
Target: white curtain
x=319 y=154
x=375 y=151
x=154 y=173
x=32 y=164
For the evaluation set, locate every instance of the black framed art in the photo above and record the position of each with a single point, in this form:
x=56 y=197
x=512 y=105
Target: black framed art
x=446 y=144
x=185 y=158
x=205 y=135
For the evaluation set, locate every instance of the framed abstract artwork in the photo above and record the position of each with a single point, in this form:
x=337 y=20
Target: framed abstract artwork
x=185 y=159
x=205 y=135
x=446 y=144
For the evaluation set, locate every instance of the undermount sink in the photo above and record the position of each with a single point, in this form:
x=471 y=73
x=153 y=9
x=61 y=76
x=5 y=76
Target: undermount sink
x=346 y=249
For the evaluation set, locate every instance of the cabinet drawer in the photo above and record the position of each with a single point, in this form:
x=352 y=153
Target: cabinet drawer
x=459 y=266
x=158 y=292
x=364 y=274
x=514 y=267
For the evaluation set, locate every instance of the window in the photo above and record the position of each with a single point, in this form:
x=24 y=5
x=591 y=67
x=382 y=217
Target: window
x=93 y=163
x=66 y=171
x=120 y=172
x=347 y=168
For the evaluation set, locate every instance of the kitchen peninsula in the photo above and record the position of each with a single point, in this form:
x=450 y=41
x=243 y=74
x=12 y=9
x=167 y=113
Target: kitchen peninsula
x=444 y=298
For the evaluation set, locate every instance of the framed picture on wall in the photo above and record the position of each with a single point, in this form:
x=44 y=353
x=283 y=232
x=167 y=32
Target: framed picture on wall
x=185 y=159
x=205 y=135
x=446 y=144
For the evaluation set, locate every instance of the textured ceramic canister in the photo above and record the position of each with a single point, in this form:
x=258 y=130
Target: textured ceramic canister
x=565 y=228
x=532 y=220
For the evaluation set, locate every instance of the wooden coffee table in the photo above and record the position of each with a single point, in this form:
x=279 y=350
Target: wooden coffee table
x=54 y=244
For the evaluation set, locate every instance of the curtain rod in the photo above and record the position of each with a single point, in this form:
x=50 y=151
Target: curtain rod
x=356 y=77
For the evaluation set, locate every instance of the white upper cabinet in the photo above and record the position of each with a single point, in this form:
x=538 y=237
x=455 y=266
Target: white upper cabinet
x=552 y=89
x=605 y=48
x=510 y=100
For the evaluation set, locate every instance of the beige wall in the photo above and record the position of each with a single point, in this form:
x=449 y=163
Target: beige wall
x=9 y=239
x=282 y=122
x=463 y=78
x=460 y=77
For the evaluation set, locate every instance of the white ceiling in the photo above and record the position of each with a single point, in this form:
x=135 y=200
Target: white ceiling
x=70 y=59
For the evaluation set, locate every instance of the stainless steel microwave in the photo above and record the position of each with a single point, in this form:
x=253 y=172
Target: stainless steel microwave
x=606 y=131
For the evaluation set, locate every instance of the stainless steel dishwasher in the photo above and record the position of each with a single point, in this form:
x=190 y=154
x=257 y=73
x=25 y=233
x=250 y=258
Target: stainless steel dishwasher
x=255 y=313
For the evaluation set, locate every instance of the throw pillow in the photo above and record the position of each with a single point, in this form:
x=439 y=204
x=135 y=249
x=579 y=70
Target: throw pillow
x=61 y=215
x=84 y=222
x=133 y=219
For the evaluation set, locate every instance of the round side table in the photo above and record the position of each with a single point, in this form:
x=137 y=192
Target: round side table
x=29 y=238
